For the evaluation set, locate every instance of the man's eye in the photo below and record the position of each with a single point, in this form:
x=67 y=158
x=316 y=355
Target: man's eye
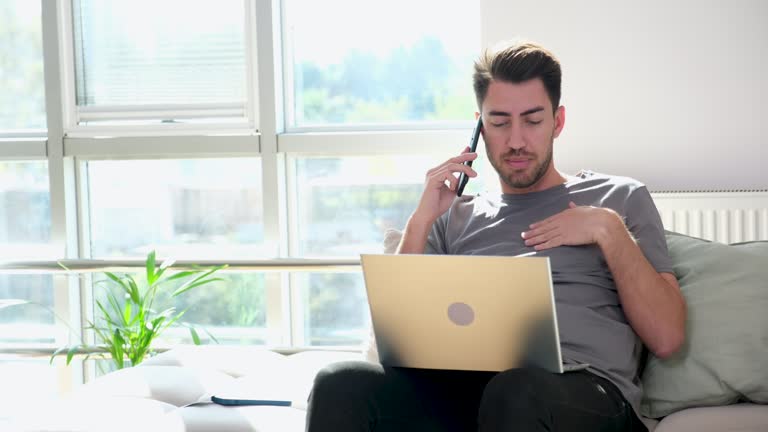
x=498 y=124
x=532 y=122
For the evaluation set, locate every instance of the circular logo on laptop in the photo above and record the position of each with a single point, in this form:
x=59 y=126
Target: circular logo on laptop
x=461 y=314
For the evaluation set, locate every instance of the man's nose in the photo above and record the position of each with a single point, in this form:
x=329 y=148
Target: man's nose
x=515 y=137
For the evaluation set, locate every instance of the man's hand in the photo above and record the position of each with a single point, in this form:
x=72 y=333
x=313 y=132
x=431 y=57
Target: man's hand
x=438 y=196
x=652 y=301
x=435 y=200
x=577 y=225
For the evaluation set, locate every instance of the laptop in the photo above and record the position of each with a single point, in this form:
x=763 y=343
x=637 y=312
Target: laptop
x=458 y=312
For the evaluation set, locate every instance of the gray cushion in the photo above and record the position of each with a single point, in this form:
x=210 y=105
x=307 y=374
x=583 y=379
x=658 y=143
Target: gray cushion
x=732 y=418
x=725 y=355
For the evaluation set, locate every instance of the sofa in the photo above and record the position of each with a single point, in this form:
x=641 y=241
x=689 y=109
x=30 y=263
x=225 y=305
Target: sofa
x=717 y=382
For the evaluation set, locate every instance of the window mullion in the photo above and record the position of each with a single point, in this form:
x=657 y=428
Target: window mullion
x=273 y=163
x=61 y=173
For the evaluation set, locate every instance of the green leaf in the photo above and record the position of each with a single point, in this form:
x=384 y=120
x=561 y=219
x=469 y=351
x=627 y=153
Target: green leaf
x=195 y=285
x=176 y=318
x=210 y=335
x=57 y=352
x=127 y=313
x=164 y=266
x=119 y=281
x=151 y=277
x=134 y=292
x=168 y=312
x=116 y=310
x=167 y=263
x=118 y=354
x=104 y=312
x=71 y=353
x=157 y=322
x=182 y=274
x=198 y=281
x=195 y=336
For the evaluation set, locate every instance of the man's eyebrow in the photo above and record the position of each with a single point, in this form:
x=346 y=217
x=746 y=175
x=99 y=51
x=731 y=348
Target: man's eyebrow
x=499 y=113
x=522 y=114
x=531 y=111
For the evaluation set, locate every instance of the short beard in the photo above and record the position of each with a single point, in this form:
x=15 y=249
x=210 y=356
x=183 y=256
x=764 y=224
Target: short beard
x=525 y=183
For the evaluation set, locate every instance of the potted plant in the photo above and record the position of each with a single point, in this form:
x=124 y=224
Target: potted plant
x=129 y=324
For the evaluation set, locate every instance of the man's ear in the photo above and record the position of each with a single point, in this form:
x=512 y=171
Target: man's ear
x=482 y=129
x=559 y=121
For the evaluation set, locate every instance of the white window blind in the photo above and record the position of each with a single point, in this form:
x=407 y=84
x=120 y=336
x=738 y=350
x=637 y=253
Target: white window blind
x=164 y=60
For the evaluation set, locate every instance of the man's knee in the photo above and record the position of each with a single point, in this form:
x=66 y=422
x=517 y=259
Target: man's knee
x=514 y=392
x=347 y=378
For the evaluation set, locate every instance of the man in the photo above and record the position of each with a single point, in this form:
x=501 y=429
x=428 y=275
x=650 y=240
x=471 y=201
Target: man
x=614 y=288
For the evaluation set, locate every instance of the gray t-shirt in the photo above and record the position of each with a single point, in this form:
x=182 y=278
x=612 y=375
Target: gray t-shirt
x=592 y=325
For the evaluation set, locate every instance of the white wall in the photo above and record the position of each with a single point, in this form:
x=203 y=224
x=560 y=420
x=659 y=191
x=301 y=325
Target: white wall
x=673 y=93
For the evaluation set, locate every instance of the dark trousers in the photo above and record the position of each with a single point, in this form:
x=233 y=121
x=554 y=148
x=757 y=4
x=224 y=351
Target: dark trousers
x=360 y=396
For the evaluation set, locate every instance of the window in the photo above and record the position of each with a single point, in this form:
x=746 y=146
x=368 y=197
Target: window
x=232 y=311
x=389 y=62
x=346 y=204
x=188 y=208
x=334 y=308
x=165 y=61
x=160 y=109
x=22 y=90
x=32 y=321
x=25 y=211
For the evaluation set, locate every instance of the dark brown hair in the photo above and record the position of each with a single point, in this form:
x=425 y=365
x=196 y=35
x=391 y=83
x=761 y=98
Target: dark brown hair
x=516 y=63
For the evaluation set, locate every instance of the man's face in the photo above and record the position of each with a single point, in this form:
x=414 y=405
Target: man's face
x=519 y=129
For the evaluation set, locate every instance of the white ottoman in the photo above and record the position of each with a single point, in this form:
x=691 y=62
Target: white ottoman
x=171 y=392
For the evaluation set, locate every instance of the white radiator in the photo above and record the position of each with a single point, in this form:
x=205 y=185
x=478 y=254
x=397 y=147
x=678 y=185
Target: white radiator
x=726 y=217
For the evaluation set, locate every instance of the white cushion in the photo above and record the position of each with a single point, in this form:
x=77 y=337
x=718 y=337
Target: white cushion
x=186 y=375
x=174 y=385
x=236 y=361
x=211 y=417
x=290 y=380
x=99 y=414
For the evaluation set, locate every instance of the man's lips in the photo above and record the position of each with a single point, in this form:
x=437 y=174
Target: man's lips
x=517 y=163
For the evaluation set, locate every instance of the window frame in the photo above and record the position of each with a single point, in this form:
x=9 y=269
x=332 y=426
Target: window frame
x=246 y=123
x=68 y=146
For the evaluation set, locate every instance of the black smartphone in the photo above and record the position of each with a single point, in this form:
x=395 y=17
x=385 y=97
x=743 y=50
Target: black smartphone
x=463 y=178
x=241 y=402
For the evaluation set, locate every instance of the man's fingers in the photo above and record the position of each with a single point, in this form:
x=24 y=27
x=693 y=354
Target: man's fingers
x=538 y=231
x=544 y=222
x=463 y=157
x=452 y=170
x=457 y=167
x=547 y=245
x=442 y=177
x=453 y=182
x=458 y=160
x=541 y=238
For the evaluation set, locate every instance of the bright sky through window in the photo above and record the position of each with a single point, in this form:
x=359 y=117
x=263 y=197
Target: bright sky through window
x=379 y=27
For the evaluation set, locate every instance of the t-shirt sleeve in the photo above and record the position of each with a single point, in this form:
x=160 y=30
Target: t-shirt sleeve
x=436 y=239
x=644 y=222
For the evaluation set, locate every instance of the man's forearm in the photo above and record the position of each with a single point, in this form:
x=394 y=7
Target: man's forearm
x=654 y=306
x=414 y=239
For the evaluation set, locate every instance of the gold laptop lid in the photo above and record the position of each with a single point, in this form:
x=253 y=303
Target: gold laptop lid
x=487 y=313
